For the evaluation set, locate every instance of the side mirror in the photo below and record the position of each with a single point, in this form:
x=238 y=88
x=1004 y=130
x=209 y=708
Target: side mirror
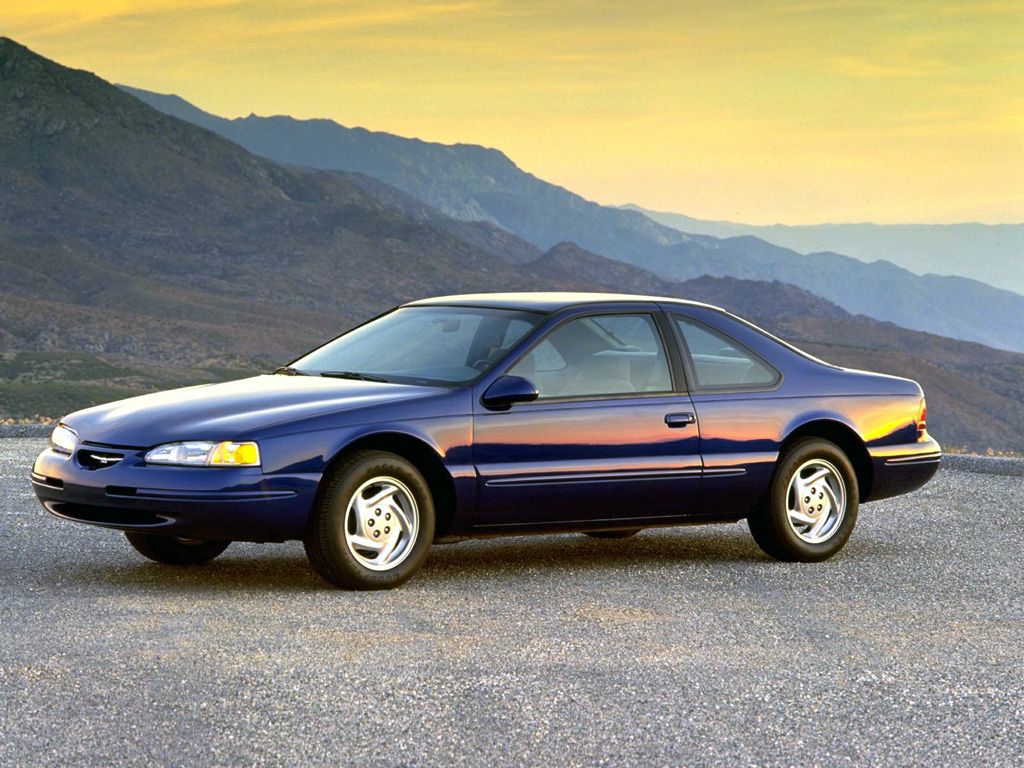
x=507 y=391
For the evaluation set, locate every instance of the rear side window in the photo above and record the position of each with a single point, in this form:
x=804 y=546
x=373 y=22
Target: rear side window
x=720 y=362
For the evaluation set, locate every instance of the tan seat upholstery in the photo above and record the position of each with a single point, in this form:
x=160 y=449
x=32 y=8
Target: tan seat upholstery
x=600 y=375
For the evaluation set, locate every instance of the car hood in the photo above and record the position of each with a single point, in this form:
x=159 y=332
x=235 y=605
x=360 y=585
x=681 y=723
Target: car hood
x=230 y=410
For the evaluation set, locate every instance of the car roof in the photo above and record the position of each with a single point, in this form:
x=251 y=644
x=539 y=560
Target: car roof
x=545 y=301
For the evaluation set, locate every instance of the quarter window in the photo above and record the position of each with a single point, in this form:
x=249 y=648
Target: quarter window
x=597 y=355
x=721 y=362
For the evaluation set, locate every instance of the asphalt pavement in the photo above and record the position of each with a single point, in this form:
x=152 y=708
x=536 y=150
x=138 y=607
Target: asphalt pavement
x=678 y=646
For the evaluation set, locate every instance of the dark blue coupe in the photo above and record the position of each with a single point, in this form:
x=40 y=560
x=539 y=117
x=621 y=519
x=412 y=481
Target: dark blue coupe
x=470 y=416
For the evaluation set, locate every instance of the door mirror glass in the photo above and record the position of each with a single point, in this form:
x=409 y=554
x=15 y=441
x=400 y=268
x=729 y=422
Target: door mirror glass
x=507 y=391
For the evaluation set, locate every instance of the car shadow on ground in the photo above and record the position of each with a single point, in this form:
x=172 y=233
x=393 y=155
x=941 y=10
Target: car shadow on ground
x=284 y=567
x=576 y=552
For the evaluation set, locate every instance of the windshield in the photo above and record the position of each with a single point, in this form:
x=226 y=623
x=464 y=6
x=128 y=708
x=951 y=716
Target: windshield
x=440 y=346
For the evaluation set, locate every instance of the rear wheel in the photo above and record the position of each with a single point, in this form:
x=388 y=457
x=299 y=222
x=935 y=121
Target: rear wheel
x=812 y=505
x=176 y=550
x=373 y=524
x=613 y=534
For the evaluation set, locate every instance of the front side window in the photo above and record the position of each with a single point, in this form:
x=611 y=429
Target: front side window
x=423 y=345
x=598 y=355
x=721 y=362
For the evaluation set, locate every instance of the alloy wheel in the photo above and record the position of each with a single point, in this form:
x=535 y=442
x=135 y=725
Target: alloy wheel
x=816 y=501
x=381 y=523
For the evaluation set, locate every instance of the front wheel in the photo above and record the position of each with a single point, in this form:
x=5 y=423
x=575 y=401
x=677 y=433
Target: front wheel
x=373 y=523
x=812 y=505
x=175 y=550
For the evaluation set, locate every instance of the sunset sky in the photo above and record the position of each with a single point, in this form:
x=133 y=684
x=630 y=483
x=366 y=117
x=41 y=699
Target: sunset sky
x=786 y=111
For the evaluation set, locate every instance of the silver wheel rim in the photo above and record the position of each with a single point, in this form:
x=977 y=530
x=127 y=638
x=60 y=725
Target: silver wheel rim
x=381 y=523
x=816 y=501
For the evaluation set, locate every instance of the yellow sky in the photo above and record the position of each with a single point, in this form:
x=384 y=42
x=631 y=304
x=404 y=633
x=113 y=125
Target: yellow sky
x=796 y=111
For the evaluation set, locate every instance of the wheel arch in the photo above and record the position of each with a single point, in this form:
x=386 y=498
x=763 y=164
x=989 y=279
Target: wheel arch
x=848 y=441
x=422 y=454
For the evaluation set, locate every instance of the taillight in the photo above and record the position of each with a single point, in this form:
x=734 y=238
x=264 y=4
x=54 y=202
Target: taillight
x=922 y=419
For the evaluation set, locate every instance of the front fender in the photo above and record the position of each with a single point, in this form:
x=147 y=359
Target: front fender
x=448 y=438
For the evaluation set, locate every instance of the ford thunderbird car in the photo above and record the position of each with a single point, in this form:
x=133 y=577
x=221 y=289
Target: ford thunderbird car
x=469 y=416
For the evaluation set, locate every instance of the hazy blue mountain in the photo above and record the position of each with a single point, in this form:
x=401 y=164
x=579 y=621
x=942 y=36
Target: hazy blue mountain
x=465 y=181
x=992 y=253
x=963 y=308
x=474 y=183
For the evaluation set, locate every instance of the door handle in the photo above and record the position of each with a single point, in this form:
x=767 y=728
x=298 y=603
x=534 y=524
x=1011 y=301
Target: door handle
x=677 y=420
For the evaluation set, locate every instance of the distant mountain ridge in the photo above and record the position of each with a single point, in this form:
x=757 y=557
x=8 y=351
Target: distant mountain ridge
x=139 y=252
x=157 y=221
x=475 y=183
x=991 y=253
x=465 y=181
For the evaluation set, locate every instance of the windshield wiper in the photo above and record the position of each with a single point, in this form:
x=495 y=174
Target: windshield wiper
x=352 y=375
x=287 y=370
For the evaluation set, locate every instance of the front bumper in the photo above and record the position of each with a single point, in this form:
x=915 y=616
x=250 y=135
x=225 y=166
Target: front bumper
x=899 y=469
x=236 y=503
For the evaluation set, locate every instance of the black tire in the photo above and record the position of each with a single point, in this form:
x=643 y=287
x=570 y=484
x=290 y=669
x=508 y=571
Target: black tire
x=172 y=550
x=770 y=526
x=613 y=534
x=325 y=539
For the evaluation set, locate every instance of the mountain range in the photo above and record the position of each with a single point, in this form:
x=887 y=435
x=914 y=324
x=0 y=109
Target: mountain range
x=470 y=182
x=991 y=253
x=139 y=251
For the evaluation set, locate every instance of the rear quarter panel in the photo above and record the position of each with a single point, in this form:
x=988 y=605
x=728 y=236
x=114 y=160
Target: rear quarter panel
x=742 y=433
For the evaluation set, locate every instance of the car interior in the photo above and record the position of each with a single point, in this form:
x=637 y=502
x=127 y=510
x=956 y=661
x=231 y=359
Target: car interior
x=602 y=355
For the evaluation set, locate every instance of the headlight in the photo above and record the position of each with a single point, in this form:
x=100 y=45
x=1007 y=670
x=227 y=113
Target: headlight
x=63 y=440
x=203 y=453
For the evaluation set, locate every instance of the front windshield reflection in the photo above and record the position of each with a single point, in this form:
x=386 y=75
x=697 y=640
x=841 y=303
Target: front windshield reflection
x=434 y=346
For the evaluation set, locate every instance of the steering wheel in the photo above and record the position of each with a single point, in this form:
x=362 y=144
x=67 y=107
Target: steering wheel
x=481 y=364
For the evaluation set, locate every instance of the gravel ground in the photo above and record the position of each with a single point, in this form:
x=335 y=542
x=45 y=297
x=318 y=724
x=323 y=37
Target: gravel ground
x=25 y=430
x=987 y=465
x=677 y=646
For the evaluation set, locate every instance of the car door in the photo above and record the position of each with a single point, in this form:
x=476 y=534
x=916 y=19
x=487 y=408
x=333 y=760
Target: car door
x=735 y=394
x=611 y=436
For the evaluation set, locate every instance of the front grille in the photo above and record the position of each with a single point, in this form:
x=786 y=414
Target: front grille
x=90 y=459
